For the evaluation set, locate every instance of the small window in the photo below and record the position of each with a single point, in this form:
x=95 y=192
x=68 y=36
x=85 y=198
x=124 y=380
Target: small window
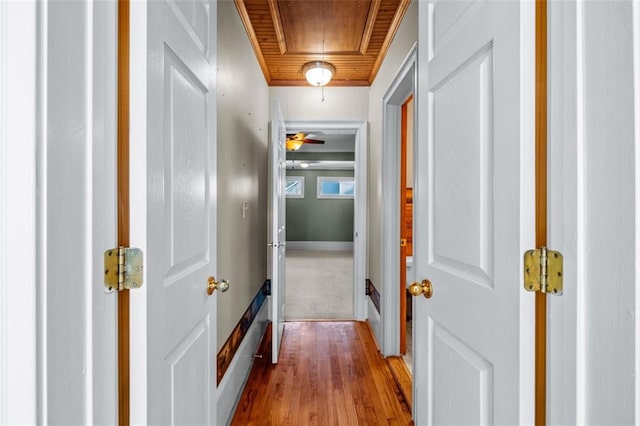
x=294 y=187
x=336 y=187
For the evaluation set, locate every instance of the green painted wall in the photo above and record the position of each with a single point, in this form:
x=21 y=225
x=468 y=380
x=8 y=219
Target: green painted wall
x=313 y=219
x=329 y=156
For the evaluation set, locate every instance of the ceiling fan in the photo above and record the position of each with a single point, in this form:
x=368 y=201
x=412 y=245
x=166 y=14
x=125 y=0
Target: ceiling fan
x=295 y=141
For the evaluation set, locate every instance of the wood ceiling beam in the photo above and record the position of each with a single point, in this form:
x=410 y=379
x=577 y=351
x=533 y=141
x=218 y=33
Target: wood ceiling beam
x=368 y=29
x=277 y=24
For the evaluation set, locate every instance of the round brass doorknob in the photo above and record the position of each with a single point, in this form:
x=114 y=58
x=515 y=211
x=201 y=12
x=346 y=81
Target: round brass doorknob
x=425 y=288
x=213 y=285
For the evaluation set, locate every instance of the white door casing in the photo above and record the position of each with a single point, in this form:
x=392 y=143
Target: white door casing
x=401 y=88
x=173 y=211
x=277 y=231
x=473 y=213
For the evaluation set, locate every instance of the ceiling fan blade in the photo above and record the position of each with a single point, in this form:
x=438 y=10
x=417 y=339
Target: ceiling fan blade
x=295 y=136
x=316 y=141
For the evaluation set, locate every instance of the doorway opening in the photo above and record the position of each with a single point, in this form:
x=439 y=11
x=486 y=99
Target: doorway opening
x=397 y=102
x=332 y=242
x=406 y=228
x=320 y=198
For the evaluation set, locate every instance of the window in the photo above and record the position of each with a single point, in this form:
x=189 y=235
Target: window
x=294 y=187
x=336 y=187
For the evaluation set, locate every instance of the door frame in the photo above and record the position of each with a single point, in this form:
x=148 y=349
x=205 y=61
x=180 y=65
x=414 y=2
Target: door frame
x=403 y=85
x=138 y=203
x=19 y=149
x=359 y=129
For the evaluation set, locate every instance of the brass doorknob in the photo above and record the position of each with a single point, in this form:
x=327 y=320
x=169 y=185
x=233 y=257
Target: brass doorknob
x=213 y=285
x=425 y=288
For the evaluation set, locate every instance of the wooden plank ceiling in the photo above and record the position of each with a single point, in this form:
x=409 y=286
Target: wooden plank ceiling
x=353 y=35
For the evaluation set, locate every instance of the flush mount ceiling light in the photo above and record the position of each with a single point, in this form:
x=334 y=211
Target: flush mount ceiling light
x=318 y=73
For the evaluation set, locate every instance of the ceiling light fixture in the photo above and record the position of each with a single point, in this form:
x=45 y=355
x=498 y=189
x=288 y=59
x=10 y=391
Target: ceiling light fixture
x=318 y=73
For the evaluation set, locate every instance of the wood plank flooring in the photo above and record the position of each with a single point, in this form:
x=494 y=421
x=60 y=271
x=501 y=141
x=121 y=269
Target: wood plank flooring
x=402 y=377
x=329 y=373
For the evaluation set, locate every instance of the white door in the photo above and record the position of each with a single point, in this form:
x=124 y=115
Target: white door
x=277 y=232
x=475 y=113
x=177 y=218
x=593 y=352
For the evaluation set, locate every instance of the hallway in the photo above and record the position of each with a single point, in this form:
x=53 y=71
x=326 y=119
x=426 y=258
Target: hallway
x=330 y=373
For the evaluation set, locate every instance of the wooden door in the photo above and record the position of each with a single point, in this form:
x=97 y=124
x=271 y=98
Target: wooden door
x=174 y=350
x=277 y=231
x=470 y=188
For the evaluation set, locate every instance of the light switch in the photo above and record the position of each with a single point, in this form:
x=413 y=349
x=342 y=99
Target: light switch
x=244 y=209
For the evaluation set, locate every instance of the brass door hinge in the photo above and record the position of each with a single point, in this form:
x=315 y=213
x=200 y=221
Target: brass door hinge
x=543 y=271
x=123 y=267
x=403 y=242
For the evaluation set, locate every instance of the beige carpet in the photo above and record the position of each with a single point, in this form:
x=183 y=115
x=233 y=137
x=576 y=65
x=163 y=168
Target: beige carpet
x=318 y=285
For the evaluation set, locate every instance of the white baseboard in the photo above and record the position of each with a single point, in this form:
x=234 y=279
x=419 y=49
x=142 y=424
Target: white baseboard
x=232 y=384
x=373 y=316
x=320 y=245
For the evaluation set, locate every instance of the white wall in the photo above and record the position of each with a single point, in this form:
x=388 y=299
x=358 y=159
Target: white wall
x=594 y=212
x=243 y=134
x=405 y=38
x=306 y=104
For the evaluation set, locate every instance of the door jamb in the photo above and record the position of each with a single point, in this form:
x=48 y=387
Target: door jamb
x=541 y=205
x=138 y=15
x=359 y=129
x=123 y=207
x=20 y=150
x=403 y=85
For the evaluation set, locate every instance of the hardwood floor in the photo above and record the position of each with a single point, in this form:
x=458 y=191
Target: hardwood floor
x=402 y=377
x=329 y=373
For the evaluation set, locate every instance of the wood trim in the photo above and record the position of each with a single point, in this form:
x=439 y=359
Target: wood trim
x=246 y=21
x=332 y=83
x=277 y=25
x=403 y=377
x=402 y=288
x=230 y=347
x=373 y=294
x=368 y=29
x=123 y=207
x=397 y=19
x=541 y=205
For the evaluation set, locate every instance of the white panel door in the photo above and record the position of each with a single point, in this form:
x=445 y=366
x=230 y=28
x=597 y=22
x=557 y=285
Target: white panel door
x=277 y=231
x=181 y=220
x=467 y=215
